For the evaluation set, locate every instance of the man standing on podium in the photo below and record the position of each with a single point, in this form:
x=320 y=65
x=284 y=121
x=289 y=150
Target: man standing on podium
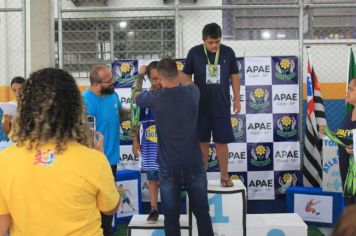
x=175 y=108
x=214 y=66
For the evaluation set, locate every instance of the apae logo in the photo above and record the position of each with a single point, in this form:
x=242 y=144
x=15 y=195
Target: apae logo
x=213 y=160
x=285 y=181
x=180 y=65
x=125 y=100
x=286 y=126
x=286 y=97
x=261 y=183
x=260 y=126
x=259 y=98
x=125 y=130
x=125 y=73
x=260 y=156
x=258 y=69
x=237 y=126
x=285 y=69
x=237 y=155
x=128 y=157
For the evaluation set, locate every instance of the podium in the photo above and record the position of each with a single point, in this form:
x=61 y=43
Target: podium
x=227 y=209
x=276 y=224
x=130 y=181
x=139 y=227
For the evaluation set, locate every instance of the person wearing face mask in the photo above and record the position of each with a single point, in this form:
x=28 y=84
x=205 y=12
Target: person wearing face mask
x=104 y=104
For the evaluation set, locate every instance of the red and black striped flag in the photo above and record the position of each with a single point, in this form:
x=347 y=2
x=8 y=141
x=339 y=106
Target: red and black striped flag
x=312 y=166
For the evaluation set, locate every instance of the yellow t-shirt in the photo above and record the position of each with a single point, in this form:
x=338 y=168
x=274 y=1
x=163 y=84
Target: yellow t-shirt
x=56 y=194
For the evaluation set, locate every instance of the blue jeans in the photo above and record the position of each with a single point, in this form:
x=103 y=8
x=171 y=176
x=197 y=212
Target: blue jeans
x=195 y=182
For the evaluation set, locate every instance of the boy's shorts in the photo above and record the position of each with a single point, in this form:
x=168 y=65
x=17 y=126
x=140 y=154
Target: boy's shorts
x=152 y=175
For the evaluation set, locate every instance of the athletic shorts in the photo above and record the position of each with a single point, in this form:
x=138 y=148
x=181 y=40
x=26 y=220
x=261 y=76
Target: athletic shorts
x=219 y=127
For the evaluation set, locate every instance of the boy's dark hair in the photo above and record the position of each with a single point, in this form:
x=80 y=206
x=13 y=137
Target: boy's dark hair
x=212 y=30
x=17 y=80
x=167 y=68
x=152 y=65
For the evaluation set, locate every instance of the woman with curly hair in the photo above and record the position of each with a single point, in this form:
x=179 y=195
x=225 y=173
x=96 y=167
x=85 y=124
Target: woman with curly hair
x=51 y=181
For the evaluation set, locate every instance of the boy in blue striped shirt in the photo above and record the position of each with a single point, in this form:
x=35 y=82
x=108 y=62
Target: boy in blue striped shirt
x=148 y=145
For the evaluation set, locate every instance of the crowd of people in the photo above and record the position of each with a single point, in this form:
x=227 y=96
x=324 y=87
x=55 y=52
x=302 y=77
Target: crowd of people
x=58 y=179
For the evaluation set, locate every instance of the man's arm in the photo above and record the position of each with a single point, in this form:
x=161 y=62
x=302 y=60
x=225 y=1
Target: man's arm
x=235 y=82
x=6 y=125
x=5 y=221
x=136 y=145
x=137 y=86
x=108 y=197
x=146 y=99
x=125 y=114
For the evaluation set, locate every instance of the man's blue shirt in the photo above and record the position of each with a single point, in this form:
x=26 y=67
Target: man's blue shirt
x=106 y=111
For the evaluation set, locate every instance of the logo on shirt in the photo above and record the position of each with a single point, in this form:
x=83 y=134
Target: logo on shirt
x=44 y=158
x=343 y=133
x=151 y=134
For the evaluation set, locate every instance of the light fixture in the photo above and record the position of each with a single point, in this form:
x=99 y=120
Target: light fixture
x=266 y=35
x=123 y=24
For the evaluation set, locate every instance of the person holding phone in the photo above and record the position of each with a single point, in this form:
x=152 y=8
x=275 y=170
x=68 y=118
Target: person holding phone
x=104 y=104
x=51 y=181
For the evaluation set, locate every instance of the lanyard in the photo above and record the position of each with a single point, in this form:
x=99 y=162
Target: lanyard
x=216 y=56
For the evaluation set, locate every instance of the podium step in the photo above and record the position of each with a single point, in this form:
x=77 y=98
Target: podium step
x=140 y=222
x=215 y=186
x=138 y=226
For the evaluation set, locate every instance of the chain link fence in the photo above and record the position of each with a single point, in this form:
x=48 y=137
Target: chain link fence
x=12 y=40
x=98 y=31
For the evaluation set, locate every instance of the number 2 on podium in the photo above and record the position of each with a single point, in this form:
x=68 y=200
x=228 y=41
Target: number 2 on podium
x=219 y=217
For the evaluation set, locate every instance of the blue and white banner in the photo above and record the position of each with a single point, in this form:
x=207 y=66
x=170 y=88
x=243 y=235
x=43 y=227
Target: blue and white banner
x=266 y=151
x=124 y=72
x=266 y=145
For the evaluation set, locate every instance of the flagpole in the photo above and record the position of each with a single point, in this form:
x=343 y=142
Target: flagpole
x=309 y=56
x=348 y=67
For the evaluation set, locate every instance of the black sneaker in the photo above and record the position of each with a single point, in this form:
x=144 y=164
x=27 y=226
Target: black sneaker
x=153 y=216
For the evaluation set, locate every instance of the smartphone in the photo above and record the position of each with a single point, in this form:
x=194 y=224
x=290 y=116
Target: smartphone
x=92 y=126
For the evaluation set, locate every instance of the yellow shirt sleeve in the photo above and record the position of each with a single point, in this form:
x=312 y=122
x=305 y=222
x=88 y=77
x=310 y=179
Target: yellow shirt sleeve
x=108 y=195
x=3 y=205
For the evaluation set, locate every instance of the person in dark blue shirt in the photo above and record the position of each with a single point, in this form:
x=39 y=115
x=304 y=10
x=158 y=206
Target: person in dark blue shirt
x=214 y=66
x=180 y=160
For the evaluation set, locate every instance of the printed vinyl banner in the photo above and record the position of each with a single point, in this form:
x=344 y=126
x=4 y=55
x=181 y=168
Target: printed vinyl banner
x=314 y=208
x=129 y=200
x=266 y=152
x=331 y=171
